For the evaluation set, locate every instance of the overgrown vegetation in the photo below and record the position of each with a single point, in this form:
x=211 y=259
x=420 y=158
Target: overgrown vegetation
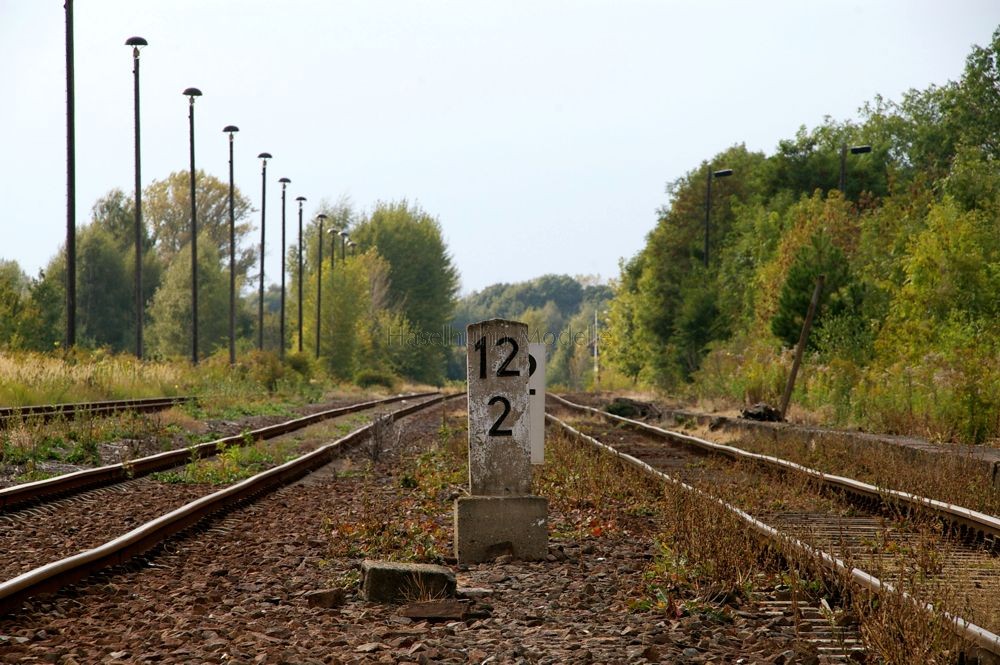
x=706 y=557
x=419 y=530
x=907 y=336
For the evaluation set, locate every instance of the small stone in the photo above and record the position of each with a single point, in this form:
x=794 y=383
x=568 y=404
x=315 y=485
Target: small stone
x=370 y=647
x=473 y=592
x=690 y=652
x=325 y=598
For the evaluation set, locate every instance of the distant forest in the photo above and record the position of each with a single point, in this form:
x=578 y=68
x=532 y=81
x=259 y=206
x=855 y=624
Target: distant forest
x=559 y=311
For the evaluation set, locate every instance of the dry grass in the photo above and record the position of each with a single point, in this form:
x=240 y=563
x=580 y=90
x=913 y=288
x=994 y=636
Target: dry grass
x=956 y=478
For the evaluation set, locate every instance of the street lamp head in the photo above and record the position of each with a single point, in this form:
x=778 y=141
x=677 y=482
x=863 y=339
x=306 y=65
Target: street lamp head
x=230 y=129
x=136 y=41
x=191 y=93
x=300 y=199
x=342 y=234
x=264 y=155
x=860 y=149
x=722 y=173
x=321 y=216
x=284 y=182
x=352 y=244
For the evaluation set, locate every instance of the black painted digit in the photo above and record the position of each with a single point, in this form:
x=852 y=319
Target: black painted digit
x=495 y=429
x=481 y=347
x=532 y=366
x=503 y=371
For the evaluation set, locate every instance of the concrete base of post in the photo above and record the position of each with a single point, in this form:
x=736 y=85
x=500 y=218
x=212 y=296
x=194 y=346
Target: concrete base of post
x=490 y=526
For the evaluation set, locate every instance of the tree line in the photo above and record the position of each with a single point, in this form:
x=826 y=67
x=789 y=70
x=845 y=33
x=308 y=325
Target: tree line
x=398 y=276
x=907 y=336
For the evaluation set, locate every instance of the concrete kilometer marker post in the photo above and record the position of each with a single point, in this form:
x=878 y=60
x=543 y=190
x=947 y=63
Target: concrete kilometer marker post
x=501 y=516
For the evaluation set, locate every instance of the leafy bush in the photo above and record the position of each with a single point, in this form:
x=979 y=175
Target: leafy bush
x=367 y=378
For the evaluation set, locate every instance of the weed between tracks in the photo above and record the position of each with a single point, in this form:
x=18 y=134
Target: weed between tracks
x=705 y=555
x=27 y=448
x=419 y=530
x=237 y=461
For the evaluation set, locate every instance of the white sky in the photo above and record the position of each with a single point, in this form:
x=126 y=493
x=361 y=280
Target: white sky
x=541 y=133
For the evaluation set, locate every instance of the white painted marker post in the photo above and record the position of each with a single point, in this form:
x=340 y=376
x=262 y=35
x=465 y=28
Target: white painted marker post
x=536 y=401
x=501 y=516
x=499 y=448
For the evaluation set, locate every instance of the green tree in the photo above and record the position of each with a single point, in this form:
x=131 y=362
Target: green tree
x=166 y=210
x=819 y=257
x=169 y=332
x=423 y=282
x=14 y=286
x=105 y=309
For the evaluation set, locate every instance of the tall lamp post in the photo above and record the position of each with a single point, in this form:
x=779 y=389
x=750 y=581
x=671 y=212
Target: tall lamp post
x=281 y=325
x=855 y=150
x=301 y=200
x=191 y=93
x=343 y=245
x=70 y=182
x=722 y=173
x=319 y=278
x=231 y=130
x=135 y=43
x=264 y=156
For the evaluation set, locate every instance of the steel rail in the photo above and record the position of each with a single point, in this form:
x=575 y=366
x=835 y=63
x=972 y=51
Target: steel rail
x=973 y=520
x=71 y=410
x=977 y=635
x=70 y=483
x=58 y=574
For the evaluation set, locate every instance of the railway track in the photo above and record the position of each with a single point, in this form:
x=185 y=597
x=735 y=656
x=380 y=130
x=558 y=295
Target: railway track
x=867 y=533
x=17 y=496
x=31 y=537
x=70 y=411
x=151 y=533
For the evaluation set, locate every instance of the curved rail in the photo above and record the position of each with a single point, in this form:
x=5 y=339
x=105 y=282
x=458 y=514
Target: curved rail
x=971 y=520
x=53 y=576
x=73 y=409
x=40 y=490
x=982 y=638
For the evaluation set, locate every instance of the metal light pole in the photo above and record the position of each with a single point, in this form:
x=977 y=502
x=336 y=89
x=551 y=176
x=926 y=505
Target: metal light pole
x=281 y=326
x=135 y=43
x=343 y=245
x=301 y=200
x=708 y=202
x=191 y=93
x=264 y=156
x=319 y=279
x=70 y=183
x=232 y=129
x=855 y=150
x=352 y=245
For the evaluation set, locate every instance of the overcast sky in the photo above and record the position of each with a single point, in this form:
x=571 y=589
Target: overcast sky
x=540 y=133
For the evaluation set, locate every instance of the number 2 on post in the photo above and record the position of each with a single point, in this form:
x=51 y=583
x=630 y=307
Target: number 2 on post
x=495 y=430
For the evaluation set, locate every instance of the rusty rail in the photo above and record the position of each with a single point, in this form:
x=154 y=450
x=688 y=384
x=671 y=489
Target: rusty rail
x=966 y=518
x=71 y=483
x=58 y=574
x=72 y=410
